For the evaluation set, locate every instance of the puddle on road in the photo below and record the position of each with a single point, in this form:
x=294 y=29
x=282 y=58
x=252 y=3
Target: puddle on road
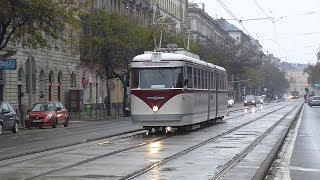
x=222 y=147
x=168 y=169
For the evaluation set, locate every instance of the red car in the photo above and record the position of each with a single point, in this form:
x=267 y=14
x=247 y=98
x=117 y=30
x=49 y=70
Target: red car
x=47 y=114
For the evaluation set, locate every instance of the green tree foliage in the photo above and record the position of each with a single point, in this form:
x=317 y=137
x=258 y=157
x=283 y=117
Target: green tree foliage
x=314 y=74
x=35 y=20
x=112 y=40
x=228 y=56
x=274 y=78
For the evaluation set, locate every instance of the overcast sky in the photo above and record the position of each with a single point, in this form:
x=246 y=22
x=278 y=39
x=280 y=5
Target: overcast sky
x=293 y=33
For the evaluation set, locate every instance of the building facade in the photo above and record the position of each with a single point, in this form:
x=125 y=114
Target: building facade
x=172 y=12
x=298 y=81
x=46 y=74
x=204 y=27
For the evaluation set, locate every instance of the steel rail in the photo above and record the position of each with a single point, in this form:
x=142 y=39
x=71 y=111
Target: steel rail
x=139 y=145
x=194 y=147
x=64 y=145
x=226 y=167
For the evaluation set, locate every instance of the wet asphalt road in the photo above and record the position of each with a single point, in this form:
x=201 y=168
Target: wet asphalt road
x=99 y=160
x=78 y=131
x=305 y=159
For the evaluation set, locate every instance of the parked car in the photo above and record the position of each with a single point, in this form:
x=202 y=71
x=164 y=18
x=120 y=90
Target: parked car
x=47 y=114
x=249 y=100
x=8 y=118
x=314 y=101
x=259 y=99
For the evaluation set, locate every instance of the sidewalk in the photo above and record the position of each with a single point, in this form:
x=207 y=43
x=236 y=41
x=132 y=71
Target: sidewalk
x=84 y=117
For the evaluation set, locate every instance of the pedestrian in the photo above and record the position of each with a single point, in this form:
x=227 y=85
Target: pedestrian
x=106 y=102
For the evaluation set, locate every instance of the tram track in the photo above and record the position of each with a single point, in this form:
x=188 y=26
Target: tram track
x=148 y=168
x=43 y=149
x=226 y=167
x=40 y=150
x=194 y=147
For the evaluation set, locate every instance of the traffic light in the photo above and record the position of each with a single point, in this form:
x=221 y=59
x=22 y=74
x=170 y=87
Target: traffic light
x=316 y=84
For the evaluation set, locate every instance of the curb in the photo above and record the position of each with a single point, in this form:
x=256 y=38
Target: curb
x=267 y=163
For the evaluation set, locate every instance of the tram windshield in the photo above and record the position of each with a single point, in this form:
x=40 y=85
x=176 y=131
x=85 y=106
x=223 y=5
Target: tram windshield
x=157 y=78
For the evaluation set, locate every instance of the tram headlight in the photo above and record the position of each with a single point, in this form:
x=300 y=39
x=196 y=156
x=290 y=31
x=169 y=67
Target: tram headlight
x=155 y=108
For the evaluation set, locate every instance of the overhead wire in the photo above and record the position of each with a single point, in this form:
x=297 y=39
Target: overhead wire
x=231 y=14
x=277 y=18
x=270 y=18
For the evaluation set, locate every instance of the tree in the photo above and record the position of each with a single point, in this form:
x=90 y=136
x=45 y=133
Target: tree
x=314 y=74
x=35 y=20
x=112 y=40
x=274 y=78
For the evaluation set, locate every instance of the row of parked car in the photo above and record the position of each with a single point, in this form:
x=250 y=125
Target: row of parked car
x=42 y=114
x=314 y=101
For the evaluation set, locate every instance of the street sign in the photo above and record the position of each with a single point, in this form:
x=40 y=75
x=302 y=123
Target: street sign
x=8 y=64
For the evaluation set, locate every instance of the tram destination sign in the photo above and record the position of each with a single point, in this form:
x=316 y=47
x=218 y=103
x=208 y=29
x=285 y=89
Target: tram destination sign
x=8 y=64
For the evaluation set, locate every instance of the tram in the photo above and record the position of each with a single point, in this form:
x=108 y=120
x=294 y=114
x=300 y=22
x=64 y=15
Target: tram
x=174 y=88
x=295 y=94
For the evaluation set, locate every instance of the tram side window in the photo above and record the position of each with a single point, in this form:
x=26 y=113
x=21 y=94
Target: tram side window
x=225 y=82
x=195 y=78
x=214 y=81
x=218 y=83
x=205 y=79
x=202 y=79
x=134 y=78
x=199 y=79
x=189 y=77
x=211 y=80
x=178 y=77
x=221 y=82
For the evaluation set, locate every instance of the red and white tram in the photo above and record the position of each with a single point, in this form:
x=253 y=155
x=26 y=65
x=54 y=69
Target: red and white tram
x=176 y=89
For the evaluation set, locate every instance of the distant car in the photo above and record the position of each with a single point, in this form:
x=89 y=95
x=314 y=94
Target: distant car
x=259 y=99
x=314 y=101
x=249 y=100
x=309 y=100
x=8 y=118
x=47 y=114
x=230 y=102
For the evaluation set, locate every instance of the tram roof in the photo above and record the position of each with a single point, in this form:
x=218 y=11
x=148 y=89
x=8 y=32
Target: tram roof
x=169 y=56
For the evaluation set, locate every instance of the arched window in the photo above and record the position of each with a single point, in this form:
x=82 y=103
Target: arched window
x=42 y=84
x=51 y=80
x=59 y=85
x=27 y=64
x=73 y=80
x=20 y=74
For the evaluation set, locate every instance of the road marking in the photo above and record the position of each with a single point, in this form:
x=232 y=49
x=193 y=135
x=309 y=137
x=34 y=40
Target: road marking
x=285 y=162
x=7 y=149
x=295 y=168
x=95 y=133
x=35 y=138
